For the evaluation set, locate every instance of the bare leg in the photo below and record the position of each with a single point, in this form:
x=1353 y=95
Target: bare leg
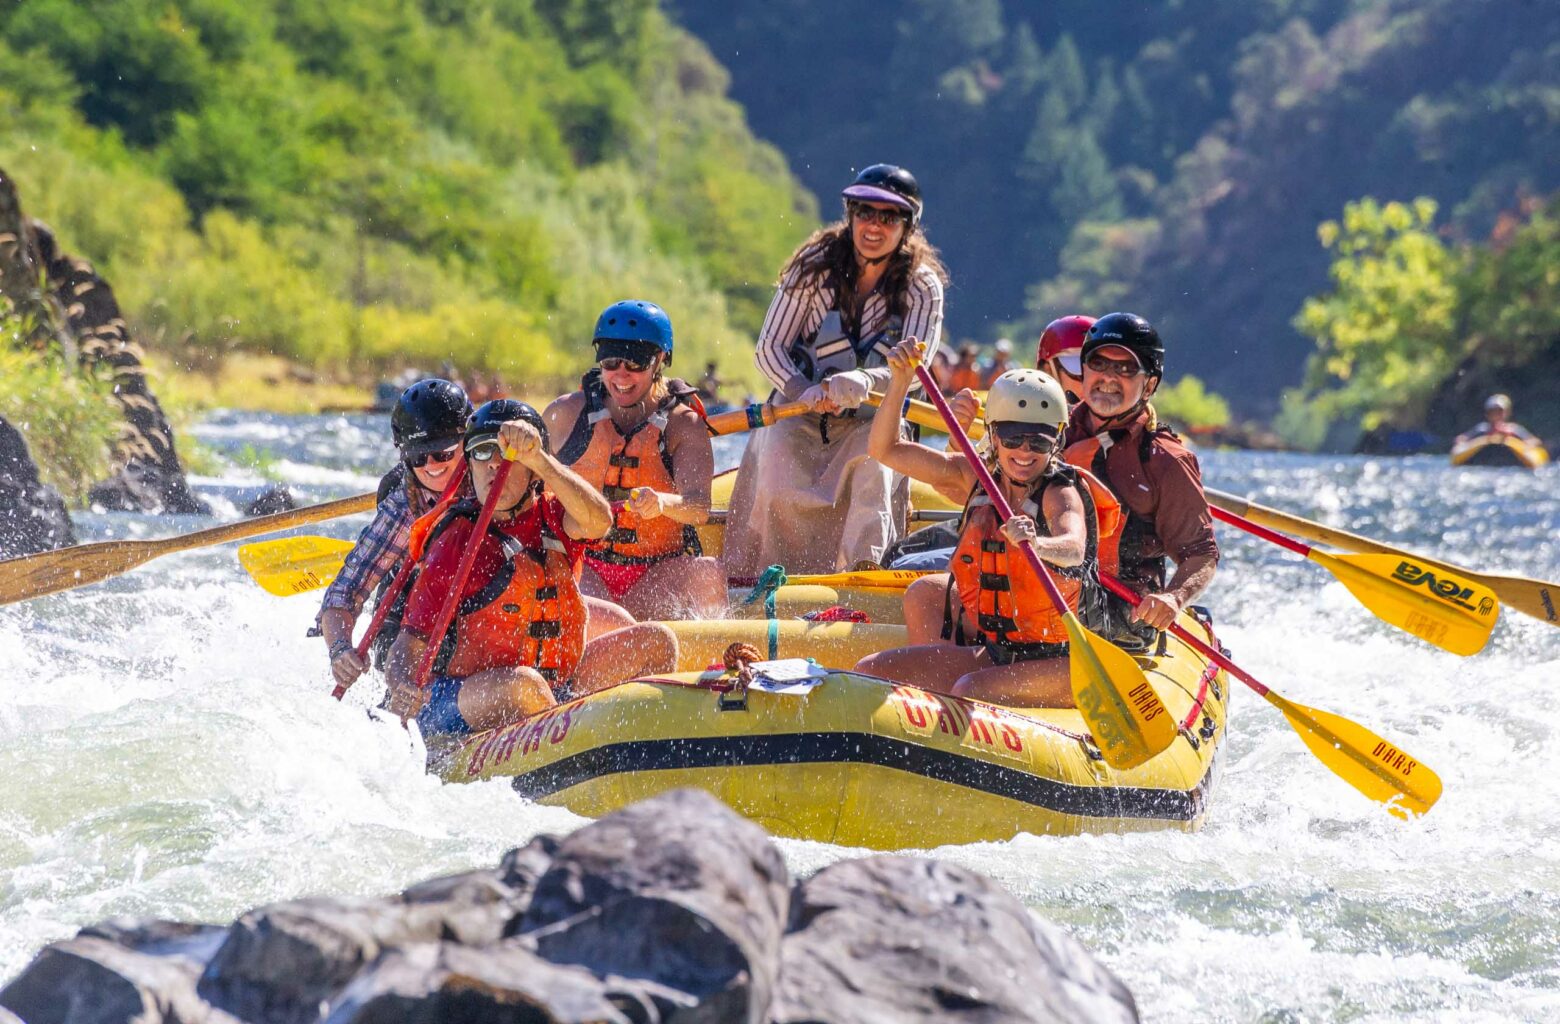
x=1046 y=683
x=679 y=588
x=925 y=600
x=591 y=585
x=935 y=666
x=496 y=697
x=605 y=617
x=640 y=650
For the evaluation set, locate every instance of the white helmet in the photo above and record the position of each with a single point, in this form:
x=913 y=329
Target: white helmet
x=1498 y=402
x=1026 y=396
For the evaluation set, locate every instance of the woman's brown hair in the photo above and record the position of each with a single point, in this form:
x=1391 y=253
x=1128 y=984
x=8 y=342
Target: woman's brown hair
x=828 y=259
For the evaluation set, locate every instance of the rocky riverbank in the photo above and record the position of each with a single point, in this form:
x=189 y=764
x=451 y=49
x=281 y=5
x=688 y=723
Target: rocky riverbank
x=673 y=910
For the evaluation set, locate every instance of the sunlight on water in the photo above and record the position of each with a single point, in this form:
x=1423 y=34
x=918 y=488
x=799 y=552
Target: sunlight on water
x=169 y=748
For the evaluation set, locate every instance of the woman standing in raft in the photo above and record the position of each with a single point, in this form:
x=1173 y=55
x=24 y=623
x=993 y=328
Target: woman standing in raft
x=518 y=642
x=807 y=496
x=1003 y=640
x=641 y=440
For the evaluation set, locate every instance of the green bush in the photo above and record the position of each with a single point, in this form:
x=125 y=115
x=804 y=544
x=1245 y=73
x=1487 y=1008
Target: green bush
x=1189 y=403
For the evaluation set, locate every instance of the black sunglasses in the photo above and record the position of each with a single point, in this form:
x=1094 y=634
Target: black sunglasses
x=872 y=214
x=612 y=364
x=439 y=458
x=1128 y=368
x=1039 y=440
x=483 y=451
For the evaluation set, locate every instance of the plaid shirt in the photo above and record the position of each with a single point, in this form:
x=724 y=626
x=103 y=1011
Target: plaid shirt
x=379 y=550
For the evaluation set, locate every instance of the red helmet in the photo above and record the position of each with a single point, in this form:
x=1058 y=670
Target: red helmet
x=1062 y=335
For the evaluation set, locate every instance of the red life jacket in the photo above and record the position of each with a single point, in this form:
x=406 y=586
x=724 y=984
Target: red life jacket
x=999 y=590
x=530 y=613
x=615 y=463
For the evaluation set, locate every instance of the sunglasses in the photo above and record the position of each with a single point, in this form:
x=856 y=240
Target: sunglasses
x=438 y=458
x=874 y=215
x=611 y=364
x=483 y=451
x=1117 y=367
x=1024 y=435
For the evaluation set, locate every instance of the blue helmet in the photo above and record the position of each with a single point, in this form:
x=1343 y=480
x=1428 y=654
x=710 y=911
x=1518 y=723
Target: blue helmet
x=633 y=320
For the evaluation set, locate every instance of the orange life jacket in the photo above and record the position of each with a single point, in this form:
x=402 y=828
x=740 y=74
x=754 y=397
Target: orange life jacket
x=530 y=613
x=961 y=377
x=615 y=463
x=999 y=590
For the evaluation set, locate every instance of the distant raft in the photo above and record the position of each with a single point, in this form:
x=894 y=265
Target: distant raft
x=1500 y=450
x=837 y=757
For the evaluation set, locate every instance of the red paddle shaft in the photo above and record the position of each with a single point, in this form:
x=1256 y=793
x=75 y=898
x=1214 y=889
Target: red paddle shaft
x=1259 y=531
x=467 y=559
x=987 y=483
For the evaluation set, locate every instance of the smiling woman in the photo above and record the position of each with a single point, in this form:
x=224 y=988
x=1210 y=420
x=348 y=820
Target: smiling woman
x=807 y=496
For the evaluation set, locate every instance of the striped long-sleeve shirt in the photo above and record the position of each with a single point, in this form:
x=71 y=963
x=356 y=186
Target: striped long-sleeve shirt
x=800 y=304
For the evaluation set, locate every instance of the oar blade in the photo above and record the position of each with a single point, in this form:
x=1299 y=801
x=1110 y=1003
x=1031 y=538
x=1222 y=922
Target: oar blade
x=1377 y=768
x=1118 y=703
x=294 y=565
x=1443 y=608
x=67 y=568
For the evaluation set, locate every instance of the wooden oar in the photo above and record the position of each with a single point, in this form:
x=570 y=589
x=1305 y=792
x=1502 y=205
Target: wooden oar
x=1377 y=768
x=752 y=417
x=925 y=414
x=1438 y=606
x=1126 y=716
x=68 y=568
x=1537 y=598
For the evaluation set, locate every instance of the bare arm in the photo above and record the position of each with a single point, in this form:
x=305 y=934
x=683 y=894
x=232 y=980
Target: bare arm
x=693 y=464
x=560 y=416
x=1069 y=530
x=943 y=470
x=586 y=514
x=406 y=697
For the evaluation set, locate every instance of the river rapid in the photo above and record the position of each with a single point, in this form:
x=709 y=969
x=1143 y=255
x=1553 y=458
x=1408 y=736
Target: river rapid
x=168 y=747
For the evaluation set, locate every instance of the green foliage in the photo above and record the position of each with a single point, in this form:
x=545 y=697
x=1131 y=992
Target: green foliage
x=1189 y=403
x=68 y=419
x=372 y=183
x=1386 y=332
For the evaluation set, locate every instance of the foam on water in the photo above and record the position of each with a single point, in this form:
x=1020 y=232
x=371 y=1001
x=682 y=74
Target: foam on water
x=168 y=748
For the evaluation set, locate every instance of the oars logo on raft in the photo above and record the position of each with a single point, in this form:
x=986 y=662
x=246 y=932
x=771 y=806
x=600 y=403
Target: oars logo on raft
x=1446 y=590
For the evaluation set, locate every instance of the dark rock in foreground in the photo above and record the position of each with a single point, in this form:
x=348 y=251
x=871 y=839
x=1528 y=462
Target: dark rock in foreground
x=672 y=911
x=32 y=515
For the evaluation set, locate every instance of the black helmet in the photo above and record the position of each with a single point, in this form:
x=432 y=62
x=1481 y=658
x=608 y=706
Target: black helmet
x=1132 y=333
x=885 y=183
x=429 y=416
x=484 y=423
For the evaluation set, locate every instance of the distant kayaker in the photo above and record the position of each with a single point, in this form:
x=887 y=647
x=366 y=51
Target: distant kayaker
x=1497 y=420
x=1115 y=433
x=640 y=439
x=807 y=496
x=517 y=644
x=1003 y=640
x=427 y=423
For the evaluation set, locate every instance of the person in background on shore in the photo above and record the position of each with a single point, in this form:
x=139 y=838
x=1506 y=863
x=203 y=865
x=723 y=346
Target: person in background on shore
x=1497 y=420
x=807 y=496
x=426 y=424
x=1003 y=640
x=640 y=439
x=1001 y=362
x=517 y=644
x=709 y=385
x=965 y=374
x=1115 y=433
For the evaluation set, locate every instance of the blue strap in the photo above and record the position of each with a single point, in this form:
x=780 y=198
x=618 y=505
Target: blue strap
x=755 y=416
x=769 y=581
x=774 y=638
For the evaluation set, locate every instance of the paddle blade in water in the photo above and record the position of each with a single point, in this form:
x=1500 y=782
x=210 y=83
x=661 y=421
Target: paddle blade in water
x=294 y=565
x=1381 y=770
x=1448 y=610
x=1118 y=703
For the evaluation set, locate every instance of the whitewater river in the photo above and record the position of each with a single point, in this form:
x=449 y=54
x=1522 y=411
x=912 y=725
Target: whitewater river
x=168 y=747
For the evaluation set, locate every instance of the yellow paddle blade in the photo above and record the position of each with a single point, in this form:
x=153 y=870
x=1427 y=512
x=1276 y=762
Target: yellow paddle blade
x=1381 y=770
x=294 y=565
x=1118 y=703
x=1448 y=610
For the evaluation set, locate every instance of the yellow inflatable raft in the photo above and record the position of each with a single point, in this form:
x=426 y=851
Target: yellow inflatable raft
x=1500 y=450
x=837 y=757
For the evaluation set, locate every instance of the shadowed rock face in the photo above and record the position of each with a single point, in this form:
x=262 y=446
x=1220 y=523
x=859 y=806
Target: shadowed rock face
x=674 y=910
x=32 y=515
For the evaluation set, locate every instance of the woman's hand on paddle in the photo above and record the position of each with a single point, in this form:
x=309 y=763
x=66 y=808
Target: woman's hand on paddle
x=645 y=503
x=1158 y=610
x=522 y=443
x=904 y=357
x=966 y=408
x=1019 y=530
